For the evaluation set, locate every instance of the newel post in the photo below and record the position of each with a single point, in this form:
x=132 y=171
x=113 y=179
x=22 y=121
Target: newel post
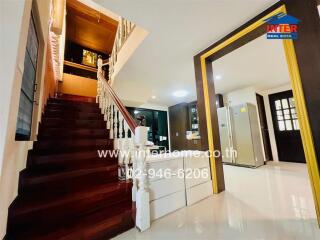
x=142 y=195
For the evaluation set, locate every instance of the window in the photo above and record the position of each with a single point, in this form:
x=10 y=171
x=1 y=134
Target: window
x=286 y=115
x=158 y=123
x=24 y=121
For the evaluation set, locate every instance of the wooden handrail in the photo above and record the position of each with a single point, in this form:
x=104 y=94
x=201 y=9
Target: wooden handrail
x=80 y=66
x=126 y=115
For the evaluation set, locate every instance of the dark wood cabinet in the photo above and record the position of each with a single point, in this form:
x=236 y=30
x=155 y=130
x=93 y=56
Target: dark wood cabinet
x=183 y=117
x=178 y=117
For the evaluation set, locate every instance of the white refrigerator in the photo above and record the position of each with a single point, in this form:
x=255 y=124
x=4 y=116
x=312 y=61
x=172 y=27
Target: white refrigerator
x=240 y=135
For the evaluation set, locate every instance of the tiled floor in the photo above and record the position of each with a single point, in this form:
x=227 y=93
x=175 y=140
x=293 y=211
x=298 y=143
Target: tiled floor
x=271 y=202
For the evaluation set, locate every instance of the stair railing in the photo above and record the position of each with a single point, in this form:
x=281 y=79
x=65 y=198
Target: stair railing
x=130 y=143
x=125 y=28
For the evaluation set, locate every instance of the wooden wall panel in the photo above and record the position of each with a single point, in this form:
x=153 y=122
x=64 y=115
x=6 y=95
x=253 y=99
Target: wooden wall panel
x=76 y=85
x=307 y=48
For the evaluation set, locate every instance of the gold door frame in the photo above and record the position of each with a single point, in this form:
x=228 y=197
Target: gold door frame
x=298 y=94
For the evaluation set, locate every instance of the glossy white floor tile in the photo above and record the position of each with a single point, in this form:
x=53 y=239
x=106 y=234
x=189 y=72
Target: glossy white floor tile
x=271 y=202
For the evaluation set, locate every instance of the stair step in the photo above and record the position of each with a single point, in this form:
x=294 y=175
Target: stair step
x=69 y=101
x=53 y=183
x=101 y=224
x=73 y=107
x=67 y=110
x=67 y=133
x=74 y=165
x=71 y=123
x=67 y=191
x=76 y=98
x=67 y=160
x=74 y=205
x=69 y=145
x=73 y=115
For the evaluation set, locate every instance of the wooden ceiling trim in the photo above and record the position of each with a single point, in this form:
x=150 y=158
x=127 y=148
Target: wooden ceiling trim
x=89 y=28
x=93 y=18
x=83 y=9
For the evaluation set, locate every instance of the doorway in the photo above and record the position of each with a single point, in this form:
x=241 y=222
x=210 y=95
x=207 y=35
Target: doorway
x=264 y=128
x=286 y=127
x=205 y=76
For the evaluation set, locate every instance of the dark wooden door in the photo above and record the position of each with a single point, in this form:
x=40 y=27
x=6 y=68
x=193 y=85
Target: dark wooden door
x=264 y=128
x=286 y=127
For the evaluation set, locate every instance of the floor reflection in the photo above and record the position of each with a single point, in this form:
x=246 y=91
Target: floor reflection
x=269 y=203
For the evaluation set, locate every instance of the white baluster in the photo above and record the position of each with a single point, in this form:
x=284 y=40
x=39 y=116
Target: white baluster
x=98 y=90
x=120 y=125
x=102 y=107
x=125 y=129
x=111 y=121
x=125 y=147
x=109 y=126
x=116 y=120
x=105 y=111
x=100 y=96
x=134 y=178
x=108 y=114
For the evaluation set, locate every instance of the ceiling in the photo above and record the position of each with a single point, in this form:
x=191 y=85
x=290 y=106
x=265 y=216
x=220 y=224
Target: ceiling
x=89 y=28
x=178 y=30
x=260 y=64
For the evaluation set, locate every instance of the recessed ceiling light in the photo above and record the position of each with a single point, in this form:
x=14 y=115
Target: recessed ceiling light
x=180 y=93
x=217 y=77
x=153 y=97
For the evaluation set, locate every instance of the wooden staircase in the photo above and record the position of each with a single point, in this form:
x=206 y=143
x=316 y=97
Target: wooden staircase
x=67 y=191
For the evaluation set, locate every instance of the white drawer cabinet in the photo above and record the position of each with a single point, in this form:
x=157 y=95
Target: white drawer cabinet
x=173 y=164
x=196 y=162
x=177 y=191
x=164 y=187
x=199 y=176
x=198 y=192
x=167 y=204
x=198 y=186
x=166 y=194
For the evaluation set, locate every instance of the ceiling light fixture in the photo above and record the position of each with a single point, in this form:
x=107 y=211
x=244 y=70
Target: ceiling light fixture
x=180 y=93
x=99 y=16
x=217 y=77
x=153 y=97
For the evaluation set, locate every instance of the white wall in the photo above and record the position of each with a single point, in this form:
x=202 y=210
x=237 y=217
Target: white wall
x=136 y=37
x=14 y=25
x=239 y=96
x=269 y=116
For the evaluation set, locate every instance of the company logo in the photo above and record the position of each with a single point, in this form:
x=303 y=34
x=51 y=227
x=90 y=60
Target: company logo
x=282 y=26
